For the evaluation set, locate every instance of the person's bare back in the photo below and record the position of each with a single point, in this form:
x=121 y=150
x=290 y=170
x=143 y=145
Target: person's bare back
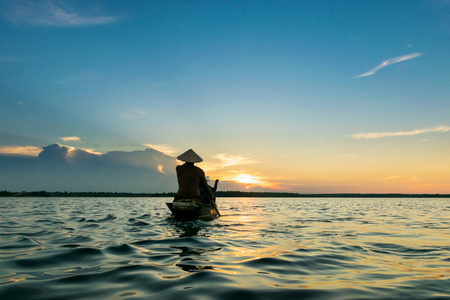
x=190 y=177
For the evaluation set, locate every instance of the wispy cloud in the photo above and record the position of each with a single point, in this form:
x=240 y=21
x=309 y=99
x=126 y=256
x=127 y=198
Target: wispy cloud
x=233 y=160
x=377 y=135
x=71 y=139
x=166 y=149
x=391 y=61
x=91 y=151
x=20 y=150
x=227 y=160
x=52 y=13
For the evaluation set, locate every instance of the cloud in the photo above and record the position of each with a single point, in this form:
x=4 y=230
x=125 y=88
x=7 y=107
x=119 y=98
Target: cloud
x=376 y=135
x=55 y=152
x=20 y=150
x=63 y=168
x=53 y=13
x=391 y=61
x=166 y=149
x=59 y=167
x=233 y=160
x=92 y=151
x=71 y=139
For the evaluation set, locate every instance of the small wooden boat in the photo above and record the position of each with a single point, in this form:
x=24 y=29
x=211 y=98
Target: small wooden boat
x=190 y=210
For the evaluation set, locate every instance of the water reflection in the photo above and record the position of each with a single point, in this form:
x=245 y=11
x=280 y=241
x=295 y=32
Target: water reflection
x=191 y=246
x=258 y=249
x=184 y=229
x=192 y=260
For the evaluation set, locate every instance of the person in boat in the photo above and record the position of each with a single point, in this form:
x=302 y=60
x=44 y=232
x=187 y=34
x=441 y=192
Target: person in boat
x=191 y=178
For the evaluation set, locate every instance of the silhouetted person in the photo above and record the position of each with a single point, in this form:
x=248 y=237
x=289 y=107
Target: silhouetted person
x=191 y=178
x=204 y=194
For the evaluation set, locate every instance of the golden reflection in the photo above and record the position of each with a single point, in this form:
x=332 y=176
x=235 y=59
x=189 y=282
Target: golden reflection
x=171 y=277
x=228 y=272
x=141 y=249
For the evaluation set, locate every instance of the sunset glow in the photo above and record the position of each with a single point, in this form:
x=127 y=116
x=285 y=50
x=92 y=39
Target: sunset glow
x=246 y=178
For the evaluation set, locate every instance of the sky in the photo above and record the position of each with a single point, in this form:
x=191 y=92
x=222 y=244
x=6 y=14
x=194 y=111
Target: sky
x=298 y=96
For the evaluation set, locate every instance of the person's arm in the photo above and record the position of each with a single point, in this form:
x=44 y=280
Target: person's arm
x=215 y=186
x=205 y=185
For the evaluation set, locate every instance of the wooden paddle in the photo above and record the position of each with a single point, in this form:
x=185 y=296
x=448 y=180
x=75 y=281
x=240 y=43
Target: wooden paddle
x=213 y=203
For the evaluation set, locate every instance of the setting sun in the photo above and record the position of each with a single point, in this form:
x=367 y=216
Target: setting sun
x=247 y=178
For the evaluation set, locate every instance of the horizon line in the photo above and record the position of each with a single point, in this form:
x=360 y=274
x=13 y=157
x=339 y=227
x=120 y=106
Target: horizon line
x=224 y=194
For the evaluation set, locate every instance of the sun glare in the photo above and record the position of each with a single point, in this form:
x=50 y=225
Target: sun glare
x=247 y=178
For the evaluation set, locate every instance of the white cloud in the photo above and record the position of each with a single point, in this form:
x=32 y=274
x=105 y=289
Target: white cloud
x=20 y=150
x=233 y=160
x=52 y=13
x=376 y=135
x=71 y=139
x=91 y=151
x=166 y=149
x=391 y=61
x=227 y=160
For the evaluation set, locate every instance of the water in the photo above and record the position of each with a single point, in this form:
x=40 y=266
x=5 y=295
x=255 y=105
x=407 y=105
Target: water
x=131 y=248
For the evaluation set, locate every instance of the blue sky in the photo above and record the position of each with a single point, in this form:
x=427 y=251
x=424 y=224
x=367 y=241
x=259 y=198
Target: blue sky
x=272 y=94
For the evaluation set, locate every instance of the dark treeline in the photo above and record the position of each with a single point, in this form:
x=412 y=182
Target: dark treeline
x=223 y=194
x=331 y=195
x=82 y=194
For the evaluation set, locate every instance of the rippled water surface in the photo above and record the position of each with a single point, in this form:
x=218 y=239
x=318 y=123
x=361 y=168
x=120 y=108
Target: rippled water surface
x=306 y=248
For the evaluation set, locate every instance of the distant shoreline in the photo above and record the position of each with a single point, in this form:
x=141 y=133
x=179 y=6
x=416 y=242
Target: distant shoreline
x=220 y=194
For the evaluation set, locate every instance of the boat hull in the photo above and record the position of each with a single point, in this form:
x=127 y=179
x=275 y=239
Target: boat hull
x=191 y=211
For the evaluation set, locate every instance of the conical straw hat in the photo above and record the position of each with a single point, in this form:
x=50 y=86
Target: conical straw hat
x=190 y=156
